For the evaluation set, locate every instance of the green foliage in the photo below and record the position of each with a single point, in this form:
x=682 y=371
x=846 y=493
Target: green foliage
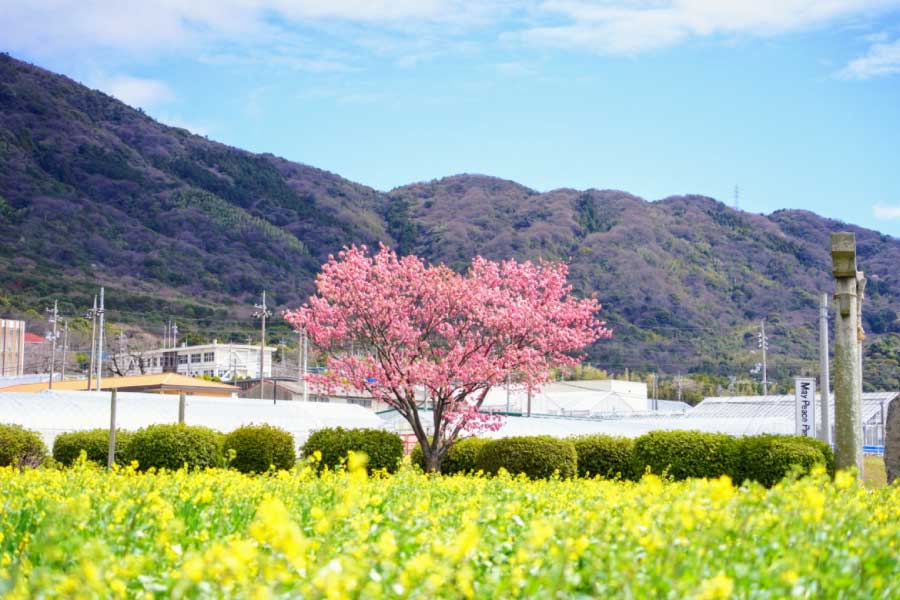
x=20 y=447
x=384 y=449
x=605 y=455
x=539 y=457
x=172 y=446
x=770 y=458
x=461 y=457
x=257 y=447
x=684 y=454
x=95 y=442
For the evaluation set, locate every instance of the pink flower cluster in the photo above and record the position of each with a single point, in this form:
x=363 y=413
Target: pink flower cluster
x=417 y=329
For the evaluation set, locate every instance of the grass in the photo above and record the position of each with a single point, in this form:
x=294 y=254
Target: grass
x=874 y=475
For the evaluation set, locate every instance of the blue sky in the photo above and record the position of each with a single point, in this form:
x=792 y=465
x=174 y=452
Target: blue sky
x=795 y=101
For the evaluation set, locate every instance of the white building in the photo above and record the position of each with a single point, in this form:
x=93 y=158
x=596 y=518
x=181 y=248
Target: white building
x=226 y=361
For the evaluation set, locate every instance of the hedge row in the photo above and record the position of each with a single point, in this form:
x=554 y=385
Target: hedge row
x=384 y=449
x=676 y=454
x=20 y=447
x=251 y=448
x=460 y=458
x=255 y=448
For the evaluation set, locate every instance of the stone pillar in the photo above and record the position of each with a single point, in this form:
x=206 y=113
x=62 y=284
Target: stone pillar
x=847 y=399
x=892 y=441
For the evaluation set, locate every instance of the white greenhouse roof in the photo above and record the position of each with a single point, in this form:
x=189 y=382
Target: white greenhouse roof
x=54 y=412
x=782 y=406
x=557 y=426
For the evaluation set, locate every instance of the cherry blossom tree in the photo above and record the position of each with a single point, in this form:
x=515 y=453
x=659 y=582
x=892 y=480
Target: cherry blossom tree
x=419 y=330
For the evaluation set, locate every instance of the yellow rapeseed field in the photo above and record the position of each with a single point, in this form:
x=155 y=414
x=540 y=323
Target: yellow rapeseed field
x=86 y=533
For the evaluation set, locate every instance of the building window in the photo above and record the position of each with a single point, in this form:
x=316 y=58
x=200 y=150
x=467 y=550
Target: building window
x=182 y=359
x=367 y=402
x=195 y=358
x=209 y=356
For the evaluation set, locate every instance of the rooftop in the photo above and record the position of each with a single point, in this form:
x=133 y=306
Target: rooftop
x=161 y=381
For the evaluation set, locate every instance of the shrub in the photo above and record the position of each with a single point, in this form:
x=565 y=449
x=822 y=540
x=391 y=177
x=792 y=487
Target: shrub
x=384 y=449
x=825 y=449
x=605 y=455
x=20 y=447
x=539 y=457
x=173 y=446
x=770 y=458
x=684 y=454
x=257 y=447
x=460 y=458
x=95 y=442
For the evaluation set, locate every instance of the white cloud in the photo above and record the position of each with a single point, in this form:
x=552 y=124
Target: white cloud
x=407 y=28
x=880 y=60
x=144 y=93
x=177 y=121
x=630 y=27
x=885 y=212
x=48 y=27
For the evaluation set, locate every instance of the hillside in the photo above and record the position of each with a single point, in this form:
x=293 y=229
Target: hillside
x=93 y=191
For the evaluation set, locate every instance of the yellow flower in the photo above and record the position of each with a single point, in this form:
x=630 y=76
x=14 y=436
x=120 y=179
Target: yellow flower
x=716 y=588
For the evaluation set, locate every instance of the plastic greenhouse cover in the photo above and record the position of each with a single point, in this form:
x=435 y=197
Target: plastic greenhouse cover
x=54 y=412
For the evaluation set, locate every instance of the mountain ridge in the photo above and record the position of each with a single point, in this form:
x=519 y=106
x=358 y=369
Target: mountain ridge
x=92 y=190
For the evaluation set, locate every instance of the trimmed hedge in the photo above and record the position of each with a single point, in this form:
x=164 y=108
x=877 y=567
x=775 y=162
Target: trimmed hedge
x=20 y=447
x=461 y=457
x=257 y=447
x=95 y=442
x=605 y=455
x=825 y=449
x=173 y=446
x=684 y=454
x=770 y=458
x=384 y=449
x=538 y=457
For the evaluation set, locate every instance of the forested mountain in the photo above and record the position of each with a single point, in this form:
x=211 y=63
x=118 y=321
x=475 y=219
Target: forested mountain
x=95 y=192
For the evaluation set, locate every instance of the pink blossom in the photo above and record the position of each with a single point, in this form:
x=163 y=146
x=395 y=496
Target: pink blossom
x=414 y=327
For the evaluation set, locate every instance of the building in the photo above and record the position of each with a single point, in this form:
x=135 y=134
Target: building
x=225 y=361
x=159 y=383
x=292 y=390
x=38 y=350
x=12 y=347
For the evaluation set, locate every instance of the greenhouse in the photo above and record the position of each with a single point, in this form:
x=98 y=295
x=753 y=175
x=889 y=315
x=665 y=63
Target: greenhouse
x=53 y=412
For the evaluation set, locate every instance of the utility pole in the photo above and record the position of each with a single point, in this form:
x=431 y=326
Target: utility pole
x=305 y=365
x=174 y=334
x=679 y=387
x=100 y=313
x=847 y=334
x=763 y=343
x=65 y=348
x=54 y=317
x=92 y=315
x=824 y=382
x=261 y=313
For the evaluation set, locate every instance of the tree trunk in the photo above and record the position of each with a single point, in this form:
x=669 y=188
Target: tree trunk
x=432 y=462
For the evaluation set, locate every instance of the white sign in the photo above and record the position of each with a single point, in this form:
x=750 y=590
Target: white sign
x=805 y=401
